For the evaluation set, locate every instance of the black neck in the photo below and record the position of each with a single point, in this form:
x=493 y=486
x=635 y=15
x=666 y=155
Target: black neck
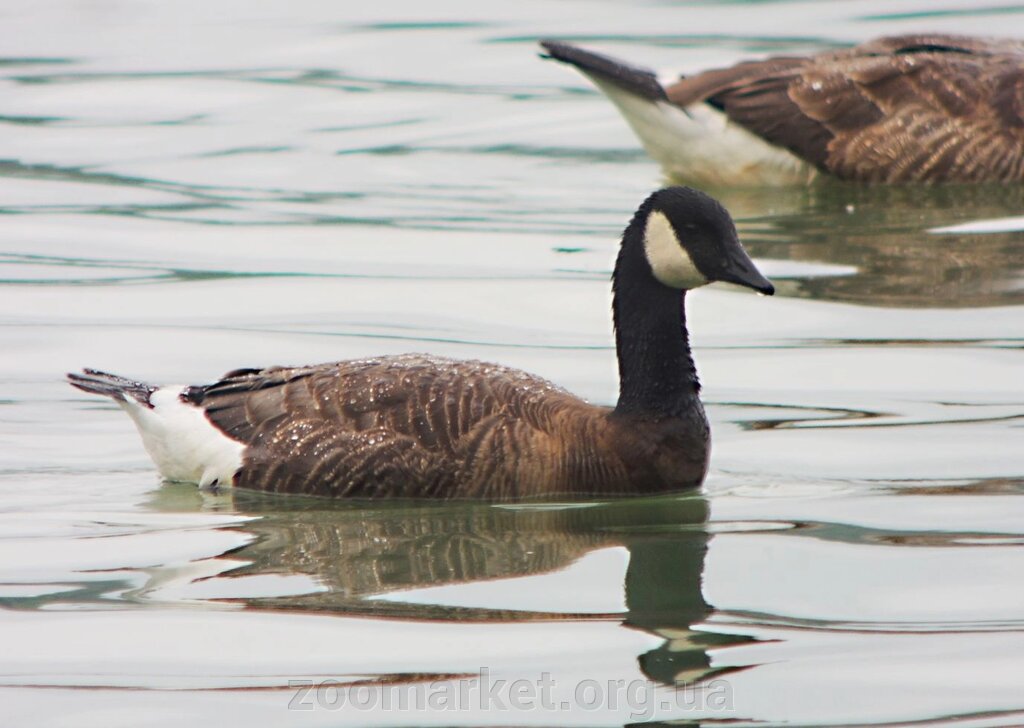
x=657 y=376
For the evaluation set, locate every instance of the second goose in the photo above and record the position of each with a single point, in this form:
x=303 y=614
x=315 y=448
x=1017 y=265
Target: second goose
x=417 y=426
x=913 y=108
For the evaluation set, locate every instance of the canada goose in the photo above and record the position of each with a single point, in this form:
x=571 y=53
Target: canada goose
x=416 y=426
x=914 y=108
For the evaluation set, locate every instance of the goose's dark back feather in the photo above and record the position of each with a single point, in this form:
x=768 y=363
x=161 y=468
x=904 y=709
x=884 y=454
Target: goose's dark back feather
x=916 y=108
x=420 y=426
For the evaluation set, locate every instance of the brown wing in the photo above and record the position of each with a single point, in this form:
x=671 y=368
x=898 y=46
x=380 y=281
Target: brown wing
x=912 y=108
x=756 y=96
x=396 y=426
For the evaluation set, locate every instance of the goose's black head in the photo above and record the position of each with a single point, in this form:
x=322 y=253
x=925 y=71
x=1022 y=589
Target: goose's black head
x=689 y=240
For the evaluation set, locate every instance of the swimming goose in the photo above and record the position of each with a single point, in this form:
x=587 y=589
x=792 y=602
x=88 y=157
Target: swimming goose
x=914 y=108
x=417 y=426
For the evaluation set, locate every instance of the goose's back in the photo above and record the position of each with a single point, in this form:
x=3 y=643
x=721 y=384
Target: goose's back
x=900 y=109
x=413 y=426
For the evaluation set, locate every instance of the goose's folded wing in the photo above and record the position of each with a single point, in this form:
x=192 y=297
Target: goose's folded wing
x=914 y=108
x=364 y=428
x=756 y=96
x=942 y=116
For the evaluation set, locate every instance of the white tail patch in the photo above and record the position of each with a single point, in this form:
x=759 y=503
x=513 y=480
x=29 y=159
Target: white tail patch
x=669 y=260
x=700 y=145
x=183 y=443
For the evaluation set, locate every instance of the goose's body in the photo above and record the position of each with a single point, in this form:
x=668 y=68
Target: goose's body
x=411 y=426
x=916 y=108
x=416 y=426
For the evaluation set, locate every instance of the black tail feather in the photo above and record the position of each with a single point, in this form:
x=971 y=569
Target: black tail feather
x=111 y=385
x=639 y=81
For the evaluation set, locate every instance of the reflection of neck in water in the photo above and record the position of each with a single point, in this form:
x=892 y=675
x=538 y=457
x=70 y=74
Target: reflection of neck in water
x=362 y=550
x=667 y=542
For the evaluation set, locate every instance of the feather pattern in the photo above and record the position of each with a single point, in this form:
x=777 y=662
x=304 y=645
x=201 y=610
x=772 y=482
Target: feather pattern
x=415 y=425
x=913 y=108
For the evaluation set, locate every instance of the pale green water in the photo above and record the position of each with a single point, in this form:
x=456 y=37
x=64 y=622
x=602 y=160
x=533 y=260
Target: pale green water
x=192 y=187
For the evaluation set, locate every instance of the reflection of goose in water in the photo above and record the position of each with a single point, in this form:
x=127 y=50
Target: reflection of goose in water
x=886 y=239
x=361 y=552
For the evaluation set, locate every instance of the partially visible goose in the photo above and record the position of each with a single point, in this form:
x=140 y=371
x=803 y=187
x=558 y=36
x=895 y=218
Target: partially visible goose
x=416 y=426
x=914 y=108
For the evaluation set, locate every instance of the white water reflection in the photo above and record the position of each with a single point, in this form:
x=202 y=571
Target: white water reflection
x=1000 y=225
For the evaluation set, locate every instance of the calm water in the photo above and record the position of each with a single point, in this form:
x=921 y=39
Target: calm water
x=190 y=187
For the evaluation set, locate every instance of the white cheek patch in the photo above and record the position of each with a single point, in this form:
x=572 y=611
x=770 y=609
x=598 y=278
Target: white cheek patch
x=669 y=261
